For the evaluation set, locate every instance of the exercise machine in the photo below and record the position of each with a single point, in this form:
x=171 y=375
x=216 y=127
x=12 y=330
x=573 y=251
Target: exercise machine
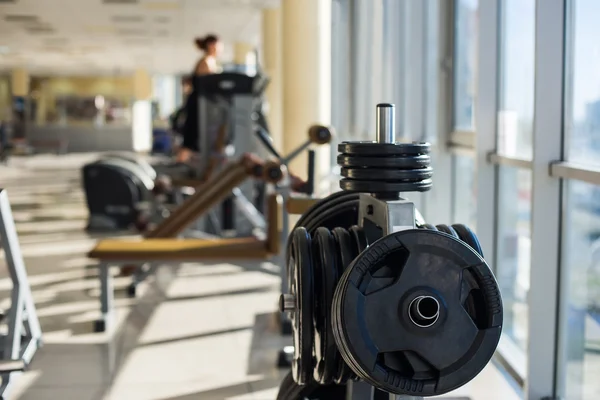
x=225 y=105
x=162 y=244
x=384 y=305
x=22 y=335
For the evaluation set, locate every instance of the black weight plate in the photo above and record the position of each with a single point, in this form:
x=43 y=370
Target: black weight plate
x=301 y=275
x=359 y=239
x=347 y=250
x=383 y=174
x=328 y=202
x=428 y=226
x=383 y=149
x=326 y=275
x=448 y=230
x=408 y=162
x=372 y=313
x=469 y=237
x=337 y=209
x=382 y=187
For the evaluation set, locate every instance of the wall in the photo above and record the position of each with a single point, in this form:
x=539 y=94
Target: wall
x=46 y=89
x=5 y=100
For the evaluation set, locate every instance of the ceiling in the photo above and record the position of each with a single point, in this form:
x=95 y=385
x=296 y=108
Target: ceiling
x=87 y=37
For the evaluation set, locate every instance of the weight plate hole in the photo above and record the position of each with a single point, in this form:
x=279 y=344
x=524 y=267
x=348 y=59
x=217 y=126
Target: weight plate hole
x=424 y=311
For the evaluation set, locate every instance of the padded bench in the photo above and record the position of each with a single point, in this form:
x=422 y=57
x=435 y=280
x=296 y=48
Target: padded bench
x=178 y=249
x=117 y=252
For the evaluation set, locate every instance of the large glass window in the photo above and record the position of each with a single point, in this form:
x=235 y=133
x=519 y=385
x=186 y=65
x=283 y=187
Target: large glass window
x=465 y=64
x=584 y=107
x=582 y=273
x=517 y=62
x=514 y=250
x=464 y=201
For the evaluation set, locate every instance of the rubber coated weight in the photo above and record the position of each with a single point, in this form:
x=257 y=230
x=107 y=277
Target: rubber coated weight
x=428 y=226
x=326 y=267
x=359 y=239
x=385 y=187
x=339 y=209
x=383 y=149
x=448 y=230
x=380 y=331
x=301 y=286
x=383 y=174
x=468 y=236
x=408 y=162
x=347 y=249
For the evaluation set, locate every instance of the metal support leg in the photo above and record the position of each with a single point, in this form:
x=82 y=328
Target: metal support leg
x=24 y=334
x=106 y=299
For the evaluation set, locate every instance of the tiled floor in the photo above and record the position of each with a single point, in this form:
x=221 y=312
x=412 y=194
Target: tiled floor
x=202 y=332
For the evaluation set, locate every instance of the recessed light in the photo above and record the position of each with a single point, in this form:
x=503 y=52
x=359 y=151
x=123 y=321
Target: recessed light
x=4 y=50
x=161 y=5
x=100 y=28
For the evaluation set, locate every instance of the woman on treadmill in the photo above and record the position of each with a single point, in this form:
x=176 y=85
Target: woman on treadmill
x=211 y=47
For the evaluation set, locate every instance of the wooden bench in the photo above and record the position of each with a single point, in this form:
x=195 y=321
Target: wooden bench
x=117 y=252
x=179 y=249
x=298 y=205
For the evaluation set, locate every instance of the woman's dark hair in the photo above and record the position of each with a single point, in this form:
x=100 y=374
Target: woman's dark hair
x=203 y=43
x=186 y=80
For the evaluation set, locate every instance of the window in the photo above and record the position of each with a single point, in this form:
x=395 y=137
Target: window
x=583 y=107
x=465 y=62
x=517 y=62
x=581 y=266
x=513 y=250
x=464 y=201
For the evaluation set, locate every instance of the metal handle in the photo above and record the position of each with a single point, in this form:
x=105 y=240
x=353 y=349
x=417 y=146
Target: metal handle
x=386 y=123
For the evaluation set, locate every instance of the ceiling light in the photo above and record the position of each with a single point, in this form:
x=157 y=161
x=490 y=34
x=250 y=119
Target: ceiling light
x=20 y=18
x=4 y=50
x=100 y=28
x=161 y=5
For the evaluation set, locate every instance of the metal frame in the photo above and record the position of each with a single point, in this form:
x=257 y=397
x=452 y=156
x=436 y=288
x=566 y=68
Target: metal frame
x=546 y=200
x=24 y=335
x=462 y=138
x=486 y=110
x=568 y=170
x=437 y=205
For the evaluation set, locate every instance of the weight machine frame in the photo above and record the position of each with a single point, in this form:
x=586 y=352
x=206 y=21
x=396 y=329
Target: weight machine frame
x=24 y=336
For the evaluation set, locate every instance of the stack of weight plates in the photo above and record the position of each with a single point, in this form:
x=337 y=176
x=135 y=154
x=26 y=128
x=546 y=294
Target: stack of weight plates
x=372 y=167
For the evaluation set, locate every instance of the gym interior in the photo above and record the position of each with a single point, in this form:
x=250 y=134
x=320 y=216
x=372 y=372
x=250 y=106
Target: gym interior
x=299 y=199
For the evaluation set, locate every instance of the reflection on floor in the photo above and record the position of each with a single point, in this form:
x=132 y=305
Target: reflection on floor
x=201 y=332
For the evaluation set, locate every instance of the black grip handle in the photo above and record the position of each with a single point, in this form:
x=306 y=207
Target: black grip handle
x=310 y=181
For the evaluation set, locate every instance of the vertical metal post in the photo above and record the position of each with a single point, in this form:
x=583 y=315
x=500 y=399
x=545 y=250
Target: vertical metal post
x=385 y=123
x=106 y=298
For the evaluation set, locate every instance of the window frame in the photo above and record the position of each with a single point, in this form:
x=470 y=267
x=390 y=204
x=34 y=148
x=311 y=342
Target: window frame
x=457 y=138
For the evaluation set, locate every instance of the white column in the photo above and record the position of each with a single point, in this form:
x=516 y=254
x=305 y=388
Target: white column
x=242 y=53
x=306 y=33
x=141 y=124
x=272 y=65
x=19 y=82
